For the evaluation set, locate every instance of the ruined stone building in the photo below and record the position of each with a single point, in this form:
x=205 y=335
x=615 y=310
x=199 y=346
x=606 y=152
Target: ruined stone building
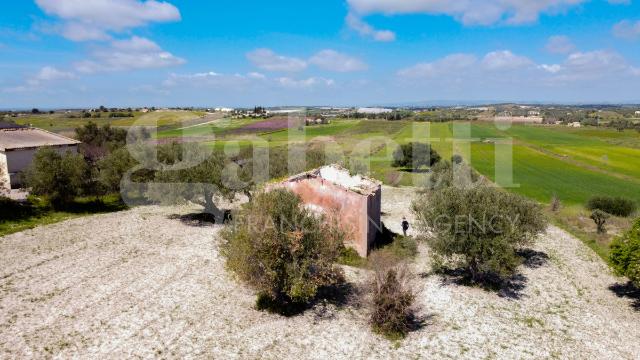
x=356 y=200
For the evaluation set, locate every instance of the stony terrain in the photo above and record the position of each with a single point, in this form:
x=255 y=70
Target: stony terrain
x=144 y=283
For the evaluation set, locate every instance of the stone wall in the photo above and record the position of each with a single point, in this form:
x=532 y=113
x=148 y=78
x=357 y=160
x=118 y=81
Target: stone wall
x=358 y=214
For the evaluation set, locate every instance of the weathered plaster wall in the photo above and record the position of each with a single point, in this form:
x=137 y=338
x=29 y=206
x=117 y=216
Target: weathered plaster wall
x=353 y=210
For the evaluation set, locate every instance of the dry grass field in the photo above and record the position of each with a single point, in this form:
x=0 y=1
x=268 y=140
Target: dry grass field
x=144 y=283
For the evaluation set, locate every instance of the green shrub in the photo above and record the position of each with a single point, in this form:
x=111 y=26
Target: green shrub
x=283 y=251
x=625 y=254
x=113 y=167
x=610 y=205
x=350 y=257
x=415 y=155
x=61 y=178
x=445 y=174
x=478 y=229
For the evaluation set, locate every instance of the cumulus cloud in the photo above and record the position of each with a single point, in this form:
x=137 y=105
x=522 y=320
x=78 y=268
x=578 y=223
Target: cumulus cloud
x=448 y=65
x=578 y=66
x=130 y=54
x=38 y=80
x=328 y=59
x=505 y=60
x=357 y=24
x=335 y=61
x=560 y=44
x=84 y=20
x=268 y=60
x=469 y=12
x=627 y=30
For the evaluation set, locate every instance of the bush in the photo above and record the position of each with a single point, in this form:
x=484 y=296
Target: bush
x=283 y=251
x=445 y=174
x=392 y=313
x=625 y=254
x=478 y=229
x=113 y=167
x=415 y=155
x=61 y=178
x=11 y=209
x=614 y=206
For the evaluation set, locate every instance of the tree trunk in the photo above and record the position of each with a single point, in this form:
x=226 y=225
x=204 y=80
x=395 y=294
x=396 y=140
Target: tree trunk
x=211 y=208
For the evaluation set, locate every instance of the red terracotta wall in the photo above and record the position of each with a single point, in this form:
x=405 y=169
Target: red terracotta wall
x=350 y=207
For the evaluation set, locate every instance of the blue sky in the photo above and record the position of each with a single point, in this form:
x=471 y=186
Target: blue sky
x=73 y=53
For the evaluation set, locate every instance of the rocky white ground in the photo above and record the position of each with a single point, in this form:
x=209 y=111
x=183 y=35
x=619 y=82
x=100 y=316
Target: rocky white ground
x=142 y=283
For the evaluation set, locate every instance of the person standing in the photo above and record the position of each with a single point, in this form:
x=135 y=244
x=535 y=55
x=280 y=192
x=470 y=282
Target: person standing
x=405 y=225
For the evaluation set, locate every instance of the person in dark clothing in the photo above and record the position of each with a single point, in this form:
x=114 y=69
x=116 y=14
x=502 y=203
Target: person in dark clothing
x=405 y=226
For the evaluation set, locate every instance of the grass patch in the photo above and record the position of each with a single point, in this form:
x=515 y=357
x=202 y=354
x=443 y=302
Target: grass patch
x=36 y=212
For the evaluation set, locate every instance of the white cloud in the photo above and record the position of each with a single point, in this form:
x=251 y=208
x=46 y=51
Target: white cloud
x=469 y=12
x=579 y=66
x=331 y=60
x=594 y=65
x=335 y=61
x=50 y=73
x=250 y=80
x=266 y=59
x=553 y=68
x=505 y=60
x=560 y=44
x=37 y=81
x=627 y=30
x=84 y=20
x=364 y=29
x=448 y=65
x=304 y=83
x=130 y=54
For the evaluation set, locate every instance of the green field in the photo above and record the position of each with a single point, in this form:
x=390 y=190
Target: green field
x=575 y=164
x=572 y=163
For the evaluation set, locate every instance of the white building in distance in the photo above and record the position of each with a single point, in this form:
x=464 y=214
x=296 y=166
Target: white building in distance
x=18 y=145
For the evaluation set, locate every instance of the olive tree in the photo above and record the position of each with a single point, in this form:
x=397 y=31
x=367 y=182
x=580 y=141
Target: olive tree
x=192 y=173
x=113 y=167
x=625 y=254
x=415 y=155
x=478 y=228
x=282 y=250
x=59 y=177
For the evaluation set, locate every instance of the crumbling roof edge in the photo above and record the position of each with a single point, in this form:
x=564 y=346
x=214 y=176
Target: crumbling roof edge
x=315 y=173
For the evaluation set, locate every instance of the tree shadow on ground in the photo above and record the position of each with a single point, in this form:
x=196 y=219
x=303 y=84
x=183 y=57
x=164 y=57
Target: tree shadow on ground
x=511 y=287
x=628 y=291
x=533 y=259
x=200 y=219
x=415 y=171
x=340 y=295
x=97 y=206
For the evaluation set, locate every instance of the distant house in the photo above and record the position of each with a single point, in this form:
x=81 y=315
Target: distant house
x=18 y=145
x=637 y=112
x=355 y=200
x=374 y=111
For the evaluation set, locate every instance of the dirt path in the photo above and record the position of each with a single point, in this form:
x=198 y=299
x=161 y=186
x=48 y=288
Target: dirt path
x=143 y=284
